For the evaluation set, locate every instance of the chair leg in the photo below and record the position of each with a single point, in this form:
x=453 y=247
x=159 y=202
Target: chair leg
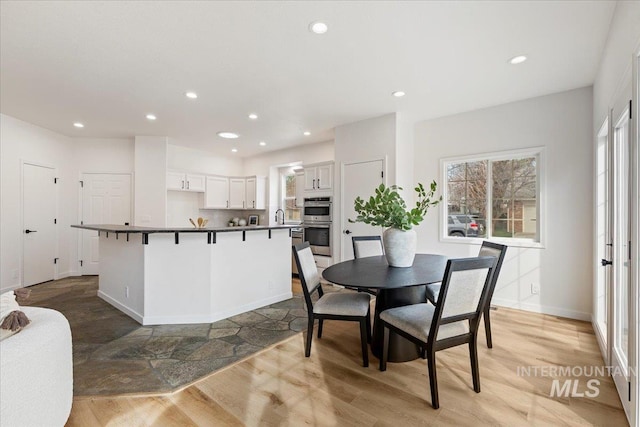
x=307 y=347
x=320 y=322
x=433 y=380
x=487 y=326
x=369 y=326
x=363 y=342
x=385 y=348
x=423 y=352
x=473 y=354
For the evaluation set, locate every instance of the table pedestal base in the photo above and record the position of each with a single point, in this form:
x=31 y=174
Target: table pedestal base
x=400 y=349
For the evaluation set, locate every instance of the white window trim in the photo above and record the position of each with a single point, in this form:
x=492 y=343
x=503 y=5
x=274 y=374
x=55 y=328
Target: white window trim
x=541 y=182
x=282 y=204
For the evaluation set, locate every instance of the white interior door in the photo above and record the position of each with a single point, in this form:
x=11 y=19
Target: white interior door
x=38 y=220
x=358 y=179
x=106 y=199
x=621 y=307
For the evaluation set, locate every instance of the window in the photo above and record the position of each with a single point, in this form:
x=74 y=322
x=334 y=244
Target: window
x=291 y=211
x=494 y=196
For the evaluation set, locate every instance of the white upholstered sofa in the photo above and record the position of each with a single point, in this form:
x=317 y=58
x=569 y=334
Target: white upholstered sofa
x=36 y=372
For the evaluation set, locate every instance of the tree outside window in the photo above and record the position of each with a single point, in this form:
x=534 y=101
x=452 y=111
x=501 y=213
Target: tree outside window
x=291 y=211
x=493 y=197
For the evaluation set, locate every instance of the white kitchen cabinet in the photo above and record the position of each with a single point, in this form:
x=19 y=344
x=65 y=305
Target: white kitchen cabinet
x=299 y=189
x=180 y=181
x=255 y=192
x=318 y=178
x=237 y=193
x=195 y=182
x=216 y=195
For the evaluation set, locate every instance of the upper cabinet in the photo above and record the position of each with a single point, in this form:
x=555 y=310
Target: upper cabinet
x=318 y=178
x=255 y=192
x=181 y=181
x=235 y=193
x=216 y=195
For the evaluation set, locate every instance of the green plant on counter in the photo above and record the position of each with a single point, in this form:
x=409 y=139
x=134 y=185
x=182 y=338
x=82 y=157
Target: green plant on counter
x=386 y=208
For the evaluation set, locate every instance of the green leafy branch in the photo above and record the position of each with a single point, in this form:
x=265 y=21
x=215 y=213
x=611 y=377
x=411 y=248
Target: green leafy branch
x=386 y=208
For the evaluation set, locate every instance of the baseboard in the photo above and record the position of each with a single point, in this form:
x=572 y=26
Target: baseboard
x=117 y=304
x=543 y=309
x=63 y=275
x=214 y=317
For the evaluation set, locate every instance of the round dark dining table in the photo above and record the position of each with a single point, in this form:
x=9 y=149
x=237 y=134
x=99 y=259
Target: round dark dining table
x=396 y=286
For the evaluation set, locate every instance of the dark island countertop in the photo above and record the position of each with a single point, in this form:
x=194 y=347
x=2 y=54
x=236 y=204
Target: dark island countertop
x=115 y=228
x=210 y=231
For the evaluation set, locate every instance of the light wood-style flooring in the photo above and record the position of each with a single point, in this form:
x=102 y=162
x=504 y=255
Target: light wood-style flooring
x=280 y=387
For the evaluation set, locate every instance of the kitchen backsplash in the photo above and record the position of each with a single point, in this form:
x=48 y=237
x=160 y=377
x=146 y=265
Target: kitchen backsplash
x=182 y=205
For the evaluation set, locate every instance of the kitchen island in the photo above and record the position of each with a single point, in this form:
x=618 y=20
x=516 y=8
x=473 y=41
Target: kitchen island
x=192 y=275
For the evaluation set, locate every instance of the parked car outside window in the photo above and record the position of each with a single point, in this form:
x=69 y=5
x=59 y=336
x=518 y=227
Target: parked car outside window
x=461 y=225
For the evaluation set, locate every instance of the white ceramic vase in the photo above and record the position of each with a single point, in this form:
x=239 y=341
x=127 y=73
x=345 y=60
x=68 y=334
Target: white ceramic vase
x=400 y=246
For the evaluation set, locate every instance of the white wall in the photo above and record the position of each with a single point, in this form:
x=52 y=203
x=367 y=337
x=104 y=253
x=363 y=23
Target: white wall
x=623 y=39
x=305 y=154
x=562 y=123
x=150 y=200
x=190 y=160
x=104 y=155
x=21 y=141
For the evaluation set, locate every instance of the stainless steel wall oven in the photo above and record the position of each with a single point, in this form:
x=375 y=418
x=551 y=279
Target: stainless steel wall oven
x=317 y=225
x=319 y=237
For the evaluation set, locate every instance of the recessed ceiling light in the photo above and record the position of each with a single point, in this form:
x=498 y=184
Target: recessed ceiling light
x=517 y=59
x=253 y=116
x=234 y=150
x=228 y=135
x=78 y=125
x=307 y=133
x=151 y=117
x=191 y=95
x=318 y=27
x=398 y=94
x=262 y=143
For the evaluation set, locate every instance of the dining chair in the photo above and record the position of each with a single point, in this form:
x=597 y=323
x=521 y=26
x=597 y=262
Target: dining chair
x=330 y=306
x=364 y=246
x=487 y=249
x=453 y=321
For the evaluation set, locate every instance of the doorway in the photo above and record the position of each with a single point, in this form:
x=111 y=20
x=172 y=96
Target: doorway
x=616 y=279
x=358 y=179
x=38 y=224
x=106 y=199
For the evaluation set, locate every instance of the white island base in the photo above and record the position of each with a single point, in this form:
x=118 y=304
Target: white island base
x=194 y=281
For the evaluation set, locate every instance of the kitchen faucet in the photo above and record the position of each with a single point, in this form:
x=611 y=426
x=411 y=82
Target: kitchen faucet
x=280 y=210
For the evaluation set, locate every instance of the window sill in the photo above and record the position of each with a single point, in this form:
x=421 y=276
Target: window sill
x=516 y=243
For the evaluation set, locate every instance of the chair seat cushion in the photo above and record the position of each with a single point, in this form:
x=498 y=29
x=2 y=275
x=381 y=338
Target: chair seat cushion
x=433 y=291
x=343 y=304
x=416 y=319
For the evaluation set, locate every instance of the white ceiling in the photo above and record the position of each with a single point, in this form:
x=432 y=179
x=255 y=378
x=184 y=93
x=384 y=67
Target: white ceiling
x=108 y=64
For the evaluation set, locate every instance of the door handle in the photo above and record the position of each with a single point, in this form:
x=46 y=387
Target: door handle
x=314 y=184
x=27 y=231
x=605 y=262
x=347 y=231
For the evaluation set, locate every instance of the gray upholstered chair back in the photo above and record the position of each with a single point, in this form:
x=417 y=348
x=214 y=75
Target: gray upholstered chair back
x=364 y=246
x=465 y=292
x=308 y=268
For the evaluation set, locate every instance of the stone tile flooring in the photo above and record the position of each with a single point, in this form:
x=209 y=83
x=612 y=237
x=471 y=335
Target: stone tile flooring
x=113 y=354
